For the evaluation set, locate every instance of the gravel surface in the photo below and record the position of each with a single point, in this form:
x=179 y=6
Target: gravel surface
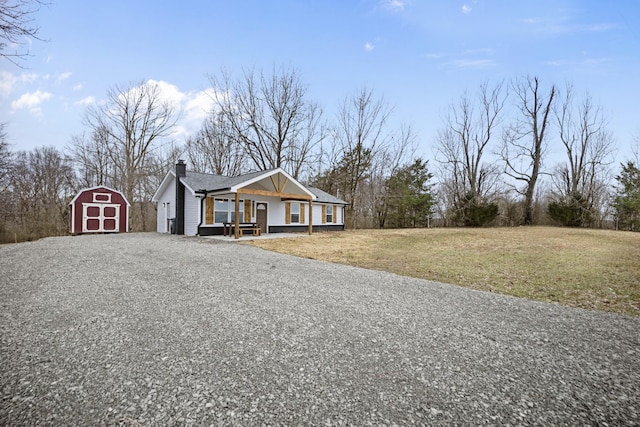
x=148 y=329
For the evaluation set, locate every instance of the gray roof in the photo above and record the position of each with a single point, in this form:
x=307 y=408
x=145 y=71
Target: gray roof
x=198 y=181
x=323 y=197
x=205 y=181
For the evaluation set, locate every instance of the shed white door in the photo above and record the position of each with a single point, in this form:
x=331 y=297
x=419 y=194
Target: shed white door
x=100 y=217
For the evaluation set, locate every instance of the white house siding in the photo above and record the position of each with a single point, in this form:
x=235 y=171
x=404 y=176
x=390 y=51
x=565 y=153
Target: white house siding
x=168 y=196
x=276 y=211
x=317 y=214
x=191 y=214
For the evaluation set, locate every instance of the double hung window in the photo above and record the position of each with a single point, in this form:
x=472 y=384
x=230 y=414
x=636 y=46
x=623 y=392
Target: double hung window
x=225 y=211
x=329 y=217
x=295 y=213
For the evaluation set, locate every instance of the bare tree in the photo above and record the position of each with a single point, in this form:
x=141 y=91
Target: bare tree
x=131 y=125
x=399 y=151
x=155 y=168
x=6 y=164
x=17 y=26
x=214 y=149
x=360 y=136
x=364 y=154
x=5 y=157
x=635 y=148
x=91 y=155
x=468 y=131
x=271 y=117
x=303 y=155
x=42 y=184
x=525 y=141
x=588 y=144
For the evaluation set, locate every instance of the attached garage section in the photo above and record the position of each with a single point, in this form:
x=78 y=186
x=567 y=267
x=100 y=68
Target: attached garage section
x=99 y=210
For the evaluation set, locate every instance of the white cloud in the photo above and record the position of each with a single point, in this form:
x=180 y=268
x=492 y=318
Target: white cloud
x=31 y=101
x=471 y=58
x=86 y=101
x=473 y=63
x=466 y=8
x=193 y=106
x=168 y=92
x=558 y=25
x=479 y=51
x=600 y=27
x=394 y=4
x=584 y=63
x=63 y=76
x=29 y=77
x=78 y=87
x=7 y=81
x=435 y=55
x=532 y=20
x=368 y=46
x=198 y=105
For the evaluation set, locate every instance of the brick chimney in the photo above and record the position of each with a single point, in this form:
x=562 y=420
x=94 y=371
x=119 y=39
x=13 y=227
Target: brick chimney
x=181 y=171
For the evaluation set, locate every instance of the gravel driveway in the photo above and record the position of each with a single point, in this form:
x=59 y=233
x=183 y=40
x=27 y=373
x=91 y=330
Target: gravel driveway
x=148 y=329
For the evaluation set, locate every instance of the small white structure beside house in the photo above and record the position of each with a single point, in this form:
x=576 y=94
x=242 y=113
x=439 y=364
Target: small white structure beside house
x=271 y=201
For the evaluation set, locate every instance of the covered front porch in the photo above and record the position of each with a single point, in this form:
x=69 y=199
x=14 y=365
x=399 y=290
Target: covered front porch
x=271 y=201
x=246 y=238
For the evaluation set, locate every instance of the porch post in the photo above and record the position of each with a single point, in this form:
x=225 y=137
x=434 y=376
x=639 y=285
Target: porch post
x=310 y=216
x=236 y=231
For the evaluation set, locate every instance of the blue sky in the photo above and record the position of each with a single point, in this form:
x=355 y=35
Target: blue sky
x=419 y=55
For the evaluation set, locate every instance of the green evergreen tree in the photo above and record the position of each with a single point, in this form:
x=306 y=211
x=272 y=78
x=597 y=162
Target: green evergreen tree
x=627 y=201
x=409 y=198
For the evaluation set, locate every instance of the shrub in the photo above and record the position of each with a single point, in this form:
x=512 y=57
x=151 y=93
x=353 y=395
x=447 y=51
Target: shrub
x=474 y=212
x=571 y=212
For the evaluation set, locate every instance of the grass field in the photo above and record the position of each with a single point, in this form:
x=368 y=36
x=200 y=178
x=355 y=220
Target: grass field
x=594 y=269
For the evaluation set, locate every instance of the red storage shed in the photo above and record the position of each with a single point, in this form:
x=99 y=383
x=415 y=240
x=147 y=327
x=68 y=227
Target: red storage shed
x=99 y=210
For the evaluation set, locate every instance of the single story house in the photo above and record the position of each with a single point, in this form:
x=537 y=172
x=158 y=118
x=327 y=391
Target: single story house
x=193 y=203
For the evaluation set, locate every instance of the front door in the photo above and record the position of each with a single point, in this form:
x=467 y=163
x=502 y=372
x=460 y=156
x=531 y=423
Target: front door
x=261 y=217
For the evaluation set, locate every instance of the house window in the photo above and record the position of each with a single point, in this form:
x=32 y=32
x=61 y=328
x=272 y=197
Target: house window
x=329 y=216
x=225 y=211
x=232 y=210
x=221 y=210
x=295 y=213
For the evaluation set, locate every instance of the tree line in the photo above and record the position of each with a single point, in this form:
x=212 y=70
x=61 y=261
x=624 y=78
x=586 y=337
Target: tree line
x=495 y=168
x=491 y=163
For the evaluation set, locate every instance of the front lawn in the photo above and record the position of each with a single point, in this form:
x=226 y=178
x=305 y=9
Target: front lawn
x=595 y=269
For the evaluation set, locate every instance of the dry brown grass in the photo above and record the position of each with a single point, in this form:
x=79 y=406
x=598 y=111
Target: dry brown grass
x=595 y=269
